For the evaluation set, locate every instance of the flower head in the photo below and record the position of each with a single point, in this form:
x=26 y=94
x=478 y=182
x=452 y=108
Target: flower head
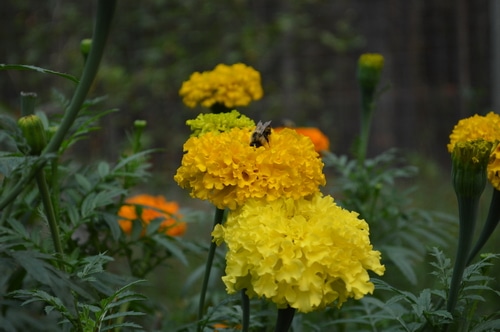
x=147 y=208
x=320 y=141
x=476 y=127
x=218 y=122
x=231 y=86
x=304 y=253
x=224 y=169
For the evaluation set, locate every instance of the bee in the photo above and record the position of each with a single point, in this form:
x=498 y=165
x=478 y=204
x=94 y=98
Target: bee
x=260 y=136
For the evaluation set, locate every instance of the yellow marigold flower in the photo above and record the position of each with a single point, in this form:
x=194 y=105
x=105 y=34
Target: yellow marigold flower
x=320 y=141
x=224 y=169
x=231 y=86
x=218 y=122
x=476 y=127
x=493 y=169
x=150 y=208
x=304 y=253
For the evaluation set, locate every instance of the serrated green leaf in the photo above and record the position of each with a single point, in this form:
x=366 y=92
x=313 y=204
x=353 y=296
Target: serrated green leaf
x=169 y=244
x=124 y=299
x=83 y=182
x=492 y=325
x=133 y=157
x=88 y=205
x=38 y=69
x=112 y=222
x=120 y=325
x=153 y=226
x=18 y=227
x=73 y=215
x=123 y=314
x=402 y=258
x=103 y=169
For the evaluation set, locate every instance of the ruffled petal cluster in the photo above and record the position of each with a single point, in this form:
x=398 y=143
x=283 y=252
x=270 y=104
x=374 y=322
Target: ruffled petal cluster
x=476 y=127
x=304 y=253
x=147 y=208
x=319 y=139
x=224 y=169
x=231 y=86
x=218 y=122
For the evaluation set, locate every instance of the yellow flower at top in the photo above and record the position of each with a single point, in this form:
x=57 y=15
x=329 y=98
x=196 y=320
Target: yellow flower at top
x=218 y=122
x=474 y=128
x=231 y=86
x=320 y=141
x=224 y=169
x=146 y=208
x=305 y=253
x=371 y=60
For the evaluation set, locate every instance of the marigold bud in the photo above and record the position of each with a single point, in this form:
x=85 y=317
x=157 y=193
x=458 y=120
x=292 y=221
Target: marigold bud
x=370 y=67
x=34 y=133
x=85 y=46
x=470 y=160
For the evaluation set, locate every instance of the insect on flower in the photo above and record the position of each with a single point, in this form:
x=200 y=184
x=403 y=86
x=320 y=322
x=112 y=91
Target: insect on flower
x=260 y=136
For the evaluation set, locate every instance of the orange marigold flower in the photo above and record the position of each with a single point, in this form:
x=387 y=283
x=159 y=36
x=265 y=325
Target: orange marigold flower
x=224 y=327
x=150 y=208
x=320 y=141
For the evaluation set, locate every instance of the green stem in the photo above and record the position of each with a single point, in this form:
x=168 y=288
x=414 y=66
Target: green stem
x=366 y=119
x=104 y=17
x=105 y=12
x=218 y=218
x=284 y=320
x=489 y=226
x=49 y=211
x=467 y=208
x=245 y=306
x=28 y=100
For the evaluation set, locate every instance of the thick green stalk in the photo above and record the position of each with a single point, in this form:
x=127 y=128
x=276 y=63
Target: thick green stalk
x=28 y=100
x=467 y=208
x=49 y=212
x=245 y=306
x=284 y=320
x=218 y=218
x=104 y=17
x=489 y=226
x=366 y=119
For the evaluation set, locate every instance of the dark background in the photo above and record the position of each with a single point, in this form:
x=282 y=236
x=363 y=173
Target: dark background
x=438 y=65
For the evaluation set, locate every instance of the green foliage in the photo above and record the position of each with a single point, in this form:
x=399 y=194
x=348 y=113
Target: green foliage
x=73 y=289
x=66 y=263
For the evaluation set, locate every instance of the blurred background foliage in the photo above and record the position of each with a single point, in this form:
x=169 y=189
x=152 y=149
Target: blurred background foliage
x=438 y=64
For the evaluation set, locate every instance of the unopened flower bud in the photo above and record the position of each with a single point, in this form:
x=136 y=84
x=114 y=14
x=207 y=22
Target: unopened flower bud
x=140 y=124
x=34 y=133
x=85 y=46
x=370 y=67
x=470 y=160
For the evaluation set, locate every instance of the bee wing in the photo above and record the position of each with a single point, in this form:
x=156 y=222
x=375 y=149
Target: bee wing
x=262 y=126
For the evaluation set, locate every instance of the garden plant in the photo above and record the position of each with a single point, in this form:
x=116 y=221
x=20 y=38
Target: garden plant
x=301 y=238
